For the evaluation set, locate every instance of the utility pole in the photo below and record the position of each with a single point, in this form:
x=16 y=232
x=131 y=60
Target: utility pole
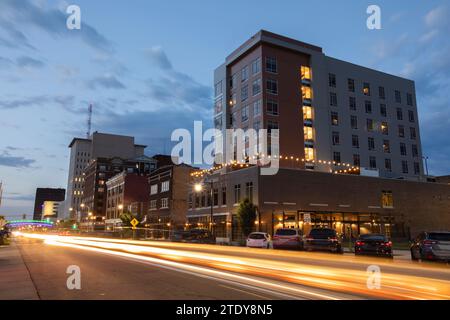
x=89 y=122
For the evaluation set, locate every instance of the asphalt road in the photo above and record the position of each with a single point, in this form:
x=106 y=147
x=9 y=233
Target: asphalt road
x=115 y=269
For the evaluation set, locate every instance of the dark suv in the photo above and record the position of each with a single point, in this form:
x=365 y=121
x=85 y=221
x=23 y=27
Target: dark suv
x=431 y=246
x=323 y=239
x=374 y=244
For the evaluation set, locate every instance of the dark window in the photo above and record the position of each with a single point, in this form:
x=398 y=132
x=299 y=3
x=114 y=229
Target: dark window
x=332 y=80
x=218 y=88
x=272 y=107
x=369 y=123
x=352 y=103
x=333 y=99
x=351 y=85
x=372 y=162
x=355 y=141
x=271 y=65
x=401 y=131
x=244 y=93
x=286 y=232
x=409 y=99
x=381 y=93
x=416 y=168
x=414 y=150
x=256 y=66
x=256 y=86
x=244 y=74
x=356 y=160
x=272 y=86
x=271 y=125
x=371 y=143
x=249 y=191
x=398 y=96
x=383 y=110
x=387 y=164
x=337 y=157
x=335 y=136
x=439 y=236
x=368 y=105
x=405 y=166
x=412 y=132
x=399 y=114
x=402 y=149
x=237 y=193
x=354 y=122
x=386 y=146
x=224 y=195
x=411 y=116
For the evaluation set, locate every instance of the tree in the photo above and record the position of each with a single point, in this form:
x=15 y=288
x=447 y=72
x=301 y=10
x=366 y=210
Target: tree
x=126 y=218
x=246 y=214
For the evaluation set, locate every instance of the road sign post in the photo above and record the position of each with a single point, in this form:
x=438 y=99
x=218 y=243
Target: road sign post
x=134 y=223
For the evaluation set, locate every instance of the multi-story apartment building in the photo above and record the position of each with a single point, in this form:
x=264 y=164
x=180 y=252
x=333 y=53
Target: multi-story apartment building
x=46 y=194
x=82 y=151
x=329 y=112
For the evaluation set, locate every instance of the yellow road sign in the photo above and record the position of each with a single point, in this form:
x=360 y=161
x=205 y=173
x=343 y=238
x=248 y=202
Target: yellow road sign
x=134 y=223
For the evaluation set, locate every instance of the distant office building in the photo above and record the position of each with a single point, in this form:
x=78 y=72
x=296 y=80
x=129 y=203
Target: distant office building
x=82 y=151
x=329 y=112
x=46 y=194
x=52 y=210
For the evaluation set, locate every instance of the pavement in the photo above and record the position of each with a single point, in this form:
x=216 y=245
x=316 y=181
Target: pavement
x=15 y=279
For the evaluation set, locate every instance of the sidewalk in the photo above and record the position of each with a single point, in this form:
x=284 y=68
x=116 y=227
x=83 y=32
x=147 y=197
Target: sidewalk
x=15 y=281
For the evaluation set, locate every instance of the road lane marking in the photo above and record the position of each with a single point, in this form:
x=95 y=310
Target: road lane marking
x=246 y=292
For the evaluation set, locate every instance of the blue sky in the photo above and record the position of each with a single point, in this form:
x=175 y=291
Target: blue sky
x=147 y=67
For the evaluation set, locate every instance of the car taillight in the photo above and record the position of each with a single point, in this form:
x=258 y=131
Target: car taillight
x=388 y=244
x=333 y=239
x=359 y=243
x=429 y=242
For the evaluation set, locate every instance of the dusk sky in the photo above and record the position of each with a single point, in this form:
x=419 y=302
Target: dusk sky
x=147 y=68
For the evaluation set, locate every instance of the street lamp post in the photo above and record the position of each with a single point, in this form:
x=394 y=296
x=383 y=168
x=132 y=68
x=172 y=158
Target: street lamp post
x=198 y=188
x=89 y=215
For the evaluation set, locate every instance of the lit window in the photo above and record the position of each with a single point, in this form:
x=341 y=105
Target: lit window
x=366 y=89
x=384 y=128
x=308 y=133
x=309 y=154
x=307 y=113
x=165 y=186
x=306 y=73
x=306 y=93
x=387 y=200
x=154 y=189
x=164 y=203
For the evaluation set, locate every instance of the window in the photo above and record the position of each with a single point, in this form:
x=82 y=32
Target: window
x=256 y=87
x=337 y=157
x=165 y=186
x=305 y=73
x=411 y=116
x=244 y=93
x=233 y=99
x=218 y=105
x=256 y=66
x=224 y=195
x=215 y=197
x=244 y=74
x=366 y=89
x=271 y=65
x=334 y=119
x=355 y=141
x=402 y=149
x=384 y=128
x=351 y=85
x=233 y=81
x=249 y=191
x=218 y=122
x=164 y=203
x=381 y=93
x=306 y=93
x=354 y=122
x=386 y=146
x=244 y=113
x=218 y=89
x=237 y=193
x=309 y=135
x=368 y=105
x=387 y=165
x=369 y=123
x=405 y=166
x=333 y=99
x=399 y=114
x=398 y=96
x=154 y=189
x=307 y=113
x=309 y=154
x=332 y=80
x=416 y=168
x=272 y=107
x=412 y=133
x=414 y=150
x=257 y=126
x=356 y=160
x=335 y=138
x=401 y=131
x=272 y=125
x=383 y=110
x=272 y=86
x=372 y=162
x=409 y=99
x=352 y=103
x=387 y=200
x=234 y=118
x=257 y=108
x=371 y=143
x=152 y=204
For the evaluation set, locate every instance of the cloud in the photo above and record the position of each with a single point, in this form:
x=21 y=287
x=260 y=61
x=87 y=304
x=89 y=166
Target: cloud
x=28 y=62
x=8 y=160
x=15 y=13
x=437 y=17
x=157 y=56
x=18 y=197
x=66 y=102
x=106 y=81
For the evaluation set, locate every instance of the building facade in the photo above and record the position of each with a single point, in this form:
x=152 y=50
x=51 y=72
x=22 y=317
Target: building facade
x=82 y=151
x=330 y=113
x=46 y=194
x=296 y=198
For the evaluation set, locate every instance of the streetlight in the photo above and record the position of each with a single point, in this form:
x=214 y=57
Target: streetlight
x=198 y=187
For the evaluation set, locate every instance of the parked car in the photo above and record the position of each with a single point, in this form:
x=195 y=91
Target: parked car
x=258 y=240
x=288 y=238
x=179 y=235
x=374 y=244
x=323 y=239
x=200 y=236
x=431 y=246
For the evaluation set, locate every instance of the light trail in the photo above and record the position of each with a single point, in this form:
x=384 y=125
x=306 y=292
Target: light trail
x=286 y=273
